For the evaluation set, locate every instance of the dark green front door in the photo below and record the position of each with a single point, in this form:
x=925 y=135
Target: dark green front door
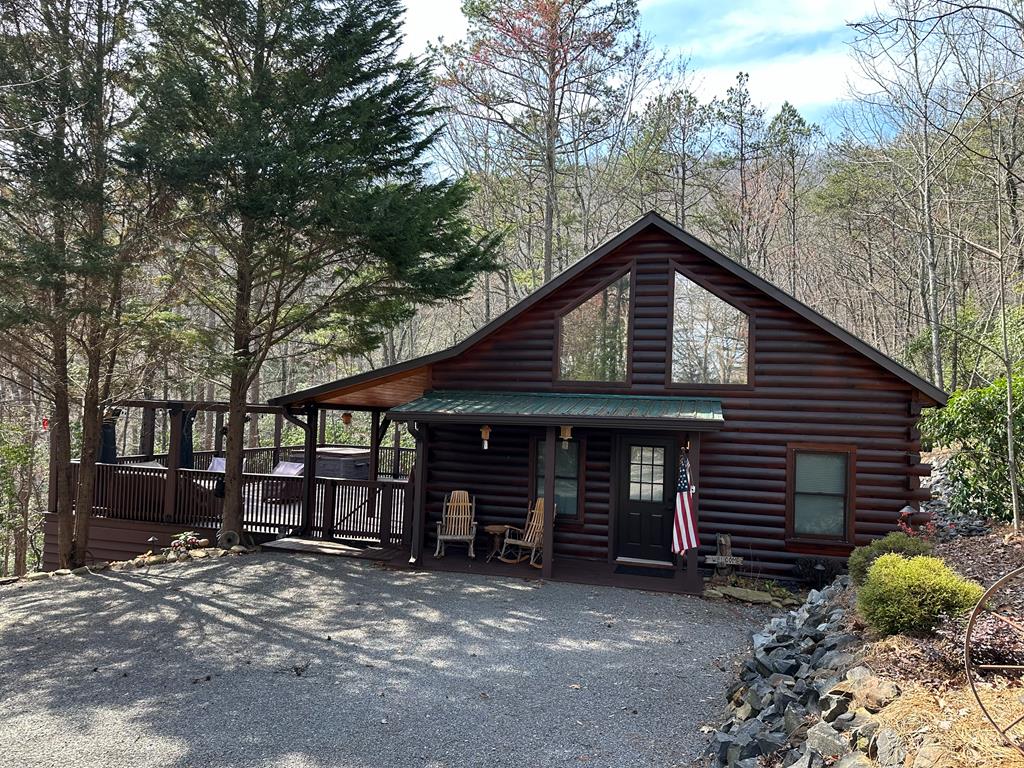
x=646 y=498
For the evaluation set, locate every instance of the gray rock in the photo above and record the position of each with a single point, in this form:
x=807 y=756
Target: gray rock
x=37 y=576
x=62 y=572
x=809 y=759
x=82 y=570
x=827 y=741
x=746 y=595
x=833 y=707
x=887 y=748
x=932 y=755
x=238 y=549
x=855 y=760
x=794 y=718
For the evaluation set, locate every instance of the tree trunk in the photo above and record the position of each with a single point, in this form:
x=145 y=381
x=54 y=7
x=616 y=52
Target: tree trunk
x=92 y=420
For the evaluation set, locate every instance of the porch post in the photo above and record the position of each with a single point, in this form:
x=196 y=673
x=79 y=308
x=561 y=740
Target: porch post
x=177 y=414
x=419 y=516
x=549 y=503
x=692 y=581
x=309 y=472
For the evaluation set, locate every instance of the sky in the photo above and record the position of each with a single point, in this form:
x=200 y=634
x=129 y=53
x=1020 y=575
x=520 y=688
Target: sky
x=793 y=50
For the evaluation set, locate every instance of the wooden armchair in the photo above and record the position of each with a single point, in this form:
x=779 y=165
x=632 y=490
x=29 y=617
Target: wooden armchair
x=458 y=522
x=529 y=538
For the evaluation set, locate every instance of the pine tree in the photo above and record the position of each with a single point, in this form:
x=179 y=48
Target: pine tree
x=296 y=138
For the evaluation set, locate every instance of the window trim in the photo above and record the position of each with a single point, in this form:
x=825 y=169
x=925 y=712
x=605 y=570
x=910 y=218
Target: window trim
x=581 y=476
x=674 y=268
x=556 y=368
x=850 y=451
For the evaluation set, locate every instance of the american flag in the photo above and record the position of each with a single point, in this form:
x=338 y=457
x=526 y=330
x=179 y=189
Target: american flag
x=684 y=531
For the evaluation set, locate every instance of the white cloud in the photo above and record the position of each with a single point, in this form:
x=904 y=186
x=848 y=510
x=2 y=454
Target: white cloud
x=813 y=80
x=427 y=20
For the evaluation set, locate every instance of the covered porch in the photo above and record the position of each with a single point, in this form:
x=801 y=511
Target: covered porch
x=506 y=449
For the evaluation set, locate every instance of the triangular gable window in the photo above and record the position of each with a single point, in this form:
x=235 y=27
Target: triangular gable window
x=593 y=338
x=710 y=337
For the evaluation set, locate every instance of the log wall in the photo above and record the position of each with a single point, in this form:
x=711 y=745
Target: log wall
x=807 y=386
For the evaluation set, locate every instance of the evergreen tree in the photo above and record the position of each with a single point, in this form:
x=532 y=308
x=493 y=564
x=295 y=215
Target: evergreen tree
x=296 y=138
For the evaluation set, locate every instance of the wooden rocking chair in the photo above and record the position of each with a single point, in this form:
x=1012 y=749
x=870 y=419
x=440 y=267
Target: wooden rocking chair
x=458 y=522
x=529 y=538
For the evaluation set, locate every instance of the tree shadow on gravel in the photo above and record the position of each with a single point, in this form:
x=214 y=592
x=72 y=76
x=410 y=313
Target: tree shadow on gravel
x=294 y=660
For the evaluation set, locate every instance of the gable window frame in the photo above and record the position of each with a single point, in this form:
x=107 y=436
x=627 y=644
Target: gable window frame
x=846 y=538
x=535 y=489
x=597 y=385
x=674 y=268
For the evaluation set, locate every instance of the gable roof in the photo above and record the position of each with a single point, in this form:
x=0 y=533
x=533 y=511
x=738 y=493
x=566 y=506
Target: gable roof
x=412 y=368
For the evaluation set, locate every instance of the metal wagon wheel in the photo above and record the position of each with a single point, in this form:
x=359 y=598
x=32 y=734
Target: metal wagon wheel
x=990 y=615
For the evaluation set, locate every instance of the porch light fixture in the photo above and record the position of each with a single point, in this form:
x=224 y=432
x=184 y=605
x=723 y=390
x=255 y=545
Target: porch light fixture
x=346 y=418
x=485 y=435
x=565 y=434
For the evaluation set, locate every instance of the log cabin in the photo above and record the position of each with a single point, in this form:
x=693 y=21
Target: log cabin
x=802 y=440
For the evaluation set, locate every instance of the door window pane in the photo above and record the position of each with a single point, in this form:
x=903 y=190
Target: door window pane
x=820 y=494
x=646 y=473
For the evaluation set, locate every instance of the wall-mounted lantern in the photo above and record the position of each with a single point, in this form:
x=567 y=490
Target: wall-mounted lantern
x=485 y=435
x=346 y=418
x=565 y=434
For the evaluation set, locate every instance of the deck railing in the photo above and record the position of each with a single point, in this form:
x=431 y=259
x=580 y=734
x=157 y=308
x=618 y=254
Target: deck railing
x=372 y=509
x=262 y=460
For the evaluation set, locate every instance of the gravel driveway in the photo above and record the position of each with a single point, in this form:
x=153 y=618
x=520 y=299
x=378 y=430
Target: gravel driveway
x=292 y=660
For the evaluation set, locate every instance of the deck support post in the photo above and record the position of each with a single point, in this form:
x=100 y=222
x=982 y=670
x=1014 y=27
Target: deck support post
x=373 y=471
x=177 y=418
x=309 y=473
x=147 y=432
x=218 y=434
x=550 y=446
x=396 y=456
x=278 y=428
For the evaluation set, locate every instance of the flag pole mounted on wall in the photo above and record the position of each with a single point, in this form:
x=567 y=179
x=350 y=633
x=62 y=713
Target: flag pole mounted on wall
x=684 y=527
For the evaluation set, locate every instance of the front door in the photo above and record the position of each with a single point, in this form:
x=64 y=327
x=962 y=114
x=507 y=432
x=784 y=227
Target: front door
x=646 y=498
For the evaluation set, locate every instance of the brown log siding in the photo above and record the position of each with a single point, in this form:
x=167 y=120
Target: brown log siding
x=806 y=386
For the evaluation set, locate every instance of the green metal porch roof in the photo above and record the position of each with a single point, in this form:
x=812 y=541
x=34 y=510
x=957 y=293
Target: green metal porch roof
x=563 y=408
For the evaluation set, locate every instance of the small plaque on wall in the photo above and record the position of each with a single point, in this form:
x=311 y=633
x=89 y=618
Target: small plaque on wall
x=723 y=560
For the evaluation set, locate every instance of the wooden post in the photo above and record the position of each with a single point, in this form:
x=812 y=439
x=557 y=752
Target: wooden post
x=309 y=471
x=330 y=501
x=396 y=457
x=419 y=513
x=692 y=581
x=147 y=432
x=372 y=471
x=278 y=428
x=549 y=503
x=177 y=418
x=218 y=434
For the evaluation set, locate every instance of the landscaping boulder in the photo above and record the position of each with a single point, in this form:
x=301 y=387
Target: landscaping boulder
x=827 y=741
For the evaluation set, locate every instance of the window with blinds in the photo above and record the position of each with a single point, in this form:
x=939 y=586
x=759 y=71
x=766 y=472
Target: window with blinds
x=819 y=503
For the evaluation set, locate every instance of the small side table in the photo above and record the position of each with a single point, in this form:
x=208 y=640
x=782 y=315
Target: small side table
x=497 y=533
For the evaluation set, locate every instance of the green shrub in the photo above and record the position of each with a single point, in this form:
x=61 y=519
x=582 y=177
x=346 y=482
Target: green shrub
x=902 y=595
x=973 y=423
x=862 y=557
